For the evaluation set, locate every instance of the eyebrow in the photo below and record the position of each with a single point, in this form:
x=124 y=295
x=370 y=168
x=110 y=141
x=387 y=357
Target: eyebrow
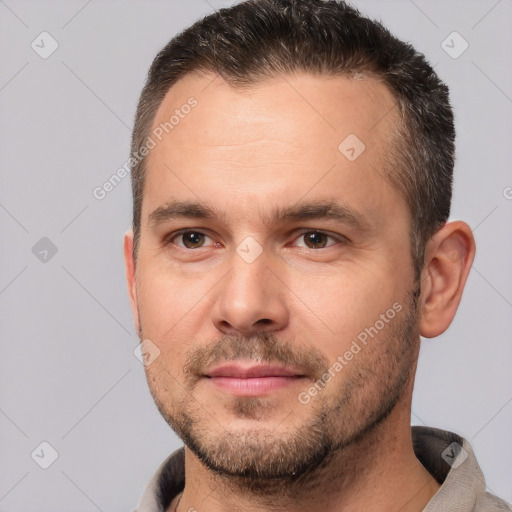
x=312 y=210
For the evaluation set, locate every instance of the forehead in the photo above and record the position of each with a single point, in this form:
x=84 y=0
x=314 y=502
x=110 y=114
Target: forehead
x=323 y=103
x=272 y=143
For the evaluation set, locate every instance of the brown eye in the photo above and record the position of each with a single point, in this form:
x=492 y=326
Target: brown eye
x=318 y=240
x=315 y=240
x=190 y=239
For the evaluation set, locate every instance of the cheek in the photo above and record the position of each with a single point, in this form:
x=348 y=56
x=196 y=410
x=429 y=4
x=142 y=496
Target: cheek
x=165 y=298
x=341 y=306
x=175 y=312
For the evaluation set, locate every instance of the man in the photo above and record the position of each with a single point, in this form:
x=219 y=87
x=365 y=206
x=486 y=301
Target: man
x=292 y=170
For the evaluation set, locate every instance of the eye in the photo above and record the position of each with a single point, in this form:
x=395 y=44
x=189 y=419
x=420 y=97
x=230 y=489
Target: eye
x=315 y=239
x=189 y=239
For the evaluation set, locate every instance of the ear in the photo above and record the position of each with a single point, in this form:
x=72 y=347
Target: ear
x=448 y=258
x=129 y=263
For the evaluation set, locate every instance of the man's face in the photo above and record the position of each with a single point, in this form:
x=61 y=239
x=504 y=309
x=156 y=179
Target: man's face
x=300 y=274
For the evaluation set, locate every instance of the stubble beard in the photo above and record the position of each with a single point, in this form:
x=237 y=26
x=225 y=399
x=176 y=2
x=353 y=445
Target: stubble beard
x=346 y=411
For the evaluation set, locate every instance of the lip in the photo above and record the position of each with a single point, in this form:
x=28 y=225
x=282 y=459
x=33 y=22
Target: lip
x=241 y=371
x=252 y=380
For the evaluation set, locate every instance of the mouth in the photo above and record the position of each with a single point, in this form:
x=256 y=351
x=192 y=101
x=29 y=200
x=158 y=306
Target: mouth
x=252 y=380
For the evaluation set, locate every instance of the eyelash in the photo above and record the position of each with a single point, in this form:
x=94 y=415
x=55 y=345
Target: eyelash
x=340 y=239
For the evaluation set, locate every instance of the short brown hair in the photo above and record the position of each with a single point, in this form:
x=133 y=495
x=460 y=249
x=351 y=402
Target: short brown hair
x=259 y=39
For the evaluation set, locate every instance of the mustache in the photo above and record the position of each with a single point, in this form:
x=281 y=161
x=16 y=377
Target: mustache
x=262 y=347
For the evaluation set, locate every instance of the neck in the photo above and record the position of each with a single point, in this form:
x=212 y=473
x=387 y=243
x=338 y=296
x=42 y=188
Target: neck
x=377 y=472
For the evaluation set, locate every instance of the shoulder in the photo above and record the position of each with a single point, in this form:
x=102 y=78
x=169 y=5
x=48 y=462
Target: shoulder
x=451 y=461
x=490 y=503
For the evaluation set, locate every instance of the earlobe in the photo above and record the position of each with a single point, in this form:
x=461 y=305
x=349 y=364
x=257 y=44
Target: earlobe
x=130 y=276
x=448 y=259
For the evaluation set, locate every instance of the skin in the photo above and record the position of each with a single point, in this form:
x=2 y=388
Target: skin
x=246 y=152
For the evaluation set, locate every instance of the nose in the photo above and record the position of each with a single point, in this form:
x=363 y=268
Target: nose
x=250 y=299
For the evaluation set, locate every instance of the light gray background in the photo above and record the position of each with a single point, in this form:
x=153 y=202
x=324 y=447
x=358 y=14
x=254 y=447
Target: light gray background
x=68 y=375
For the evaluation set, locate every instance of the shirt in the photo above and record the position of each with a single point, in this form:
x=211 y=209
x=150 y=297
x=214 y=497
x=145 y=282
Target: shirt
x=448 y=457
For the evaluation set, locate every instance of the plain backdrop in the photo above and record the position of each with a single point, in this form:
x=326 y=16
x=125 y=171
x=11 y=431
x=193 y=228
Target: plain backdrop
x=68 y=373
